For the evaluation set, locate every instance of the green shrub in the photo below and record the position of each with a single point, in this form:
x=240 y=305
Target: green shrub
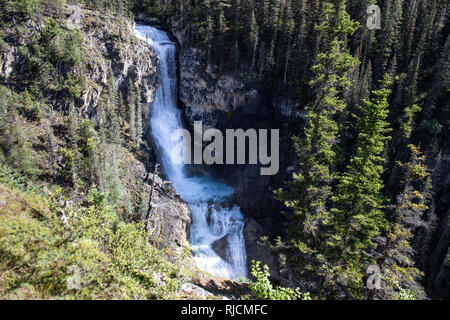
x=75 y=86
x=263 y=289
x=27 y=7
x=90 y=254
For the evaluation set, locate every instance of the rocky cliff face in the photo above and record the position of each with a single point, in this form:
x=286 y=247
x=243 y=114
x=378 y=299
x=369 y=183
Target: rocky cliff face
x=108 y=44
x=126 y=56
x=109 y=49
x=170 y=217
x=224 y=101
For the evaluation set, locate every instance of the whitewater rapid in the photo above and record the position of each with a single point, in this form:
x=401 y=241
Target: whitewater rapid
x=208 y=199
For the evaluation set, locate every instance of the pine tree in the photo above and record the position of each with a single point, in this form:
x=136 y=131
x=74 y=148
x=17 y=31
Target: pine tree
x=441 y=81
x=358 y=216
x=7 y=119
x=21 y=154
x=365 y=83
x=299 y=10
x=423 y=239
x=287 y=30
x=412 y=15
x=407 y=121
x=236 y=5
x=50 y=146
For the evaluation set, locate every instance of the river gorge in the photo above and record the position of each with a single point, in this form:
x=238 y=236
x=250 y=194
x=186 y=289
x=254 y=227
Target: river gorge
x=213 y=216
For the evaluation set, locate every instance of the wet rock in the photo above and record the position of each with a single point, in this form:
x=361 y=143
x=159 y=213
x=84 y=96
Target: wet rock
x=221 y=247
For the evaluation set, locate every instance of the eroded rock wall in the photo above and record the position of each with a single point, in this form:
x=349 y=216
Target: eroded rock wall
x=109 y=48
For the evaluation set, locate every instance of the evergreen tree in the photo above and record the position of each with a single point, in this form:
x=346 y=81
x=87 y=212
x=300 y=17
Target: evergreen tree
x=401 y=276
x=7 y=115
x=272 y=31
x=423 y=239
x=287 y=29
x=299 y=11
x=358 y=216
x=21 y=154
x=72 y=128
x=221 y=29
x=407 y=121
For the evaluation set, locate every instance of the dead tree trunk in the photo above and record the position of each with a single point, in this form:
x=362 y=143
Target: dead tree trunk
x=147 y=216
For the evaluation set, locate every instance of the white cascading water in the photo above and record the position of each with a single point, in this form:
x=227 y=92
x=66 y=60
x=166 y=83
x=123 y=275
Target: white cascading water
x=212 y=220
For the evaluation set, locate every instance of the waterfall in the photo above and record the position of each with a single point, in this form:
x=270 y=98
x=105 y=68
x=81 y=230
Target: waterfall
x=212 y=218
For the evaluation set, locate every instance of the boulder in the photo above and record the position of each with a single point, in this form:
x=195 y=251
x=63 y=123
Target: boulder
x=169 y=220
x=190 y=289
x=221 y=247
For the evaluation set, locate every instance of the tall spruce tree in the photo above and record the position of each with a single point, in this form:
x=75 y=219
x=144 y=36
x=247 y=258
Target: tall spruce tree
x=358 y=216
